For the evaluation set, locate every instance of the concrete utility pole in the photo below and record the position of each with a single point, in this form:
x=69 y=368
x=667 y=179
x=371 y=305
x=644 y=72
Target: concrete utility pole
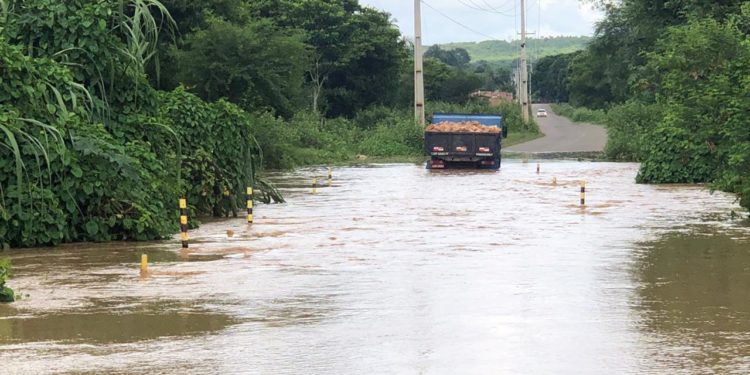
x=419 y=110
x=524 y=68
x=517 y=81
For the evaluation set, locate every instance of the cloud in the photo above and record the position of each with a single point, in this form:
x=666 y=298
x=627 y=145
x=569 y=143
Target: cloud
x=546 y=17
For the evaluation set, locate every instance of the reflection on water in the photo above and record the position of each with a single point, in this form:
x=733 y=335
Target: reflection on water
x=106 y=326
x=396 y=269
x=694 y=302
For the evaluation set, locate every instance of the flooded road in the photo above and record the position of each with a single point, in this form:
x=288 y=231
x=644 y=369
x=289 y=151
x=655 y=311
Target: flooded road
x=395 y=269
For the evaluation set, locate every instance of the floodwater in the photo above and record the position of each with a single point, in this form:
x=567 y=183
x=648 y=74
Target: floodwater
x=396 y=269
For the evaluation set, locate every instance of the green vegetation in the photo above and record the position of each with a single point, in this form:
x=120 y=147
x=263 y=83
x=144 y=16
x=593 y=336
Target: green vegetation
x=450 y=77
x=488 y=65
x=673 y=78
x=6 y=294
x=507 y=52
x=550 y=78
x=111 y=110
x=581 y=114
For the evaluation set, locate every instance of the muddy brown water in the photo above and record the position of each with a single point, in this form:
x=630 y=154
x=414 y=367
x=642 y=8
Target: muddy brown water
x=395 y=269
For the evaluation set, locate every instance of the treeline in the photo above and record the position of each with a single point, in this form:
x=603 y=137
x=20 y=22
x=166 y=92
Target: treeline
x=112 y=109
x=673 y=79
x=451 y=76
x=500 y=52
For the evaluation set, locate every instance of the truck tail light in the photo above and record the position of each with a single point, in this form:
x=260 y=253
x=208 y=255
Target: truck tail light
x=438 y=149
x=484 y=149
x=437 y=164
x=461 y=149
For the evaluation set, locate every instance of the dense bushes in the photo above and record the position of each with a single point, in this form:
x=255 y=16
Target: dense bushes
x=684 y=72
x=66 y=177
x=701 y=70
x=92 y=152
x=248 y=65
x=581 y=114
x=6 y=294
x=627 y=127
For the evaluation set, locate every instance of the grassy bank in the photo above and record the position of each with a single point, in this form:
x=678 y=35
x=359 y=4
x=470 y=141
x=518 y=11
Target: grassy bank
x=518 y=138
x=581 y=114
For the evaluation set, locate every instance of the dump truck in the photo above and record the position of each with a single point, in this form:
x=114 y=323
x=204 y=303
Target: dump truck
x=456 y=140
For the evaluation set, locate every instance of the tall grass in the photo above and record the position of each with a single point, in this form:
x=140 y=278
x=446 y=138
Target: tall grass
x=141 y=29
x=581 y=114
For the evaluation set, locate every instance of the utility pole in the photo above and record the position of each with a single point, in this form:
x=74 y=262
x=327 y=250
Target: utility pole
x=524 y=68
x=419 y=110
x=517 y=81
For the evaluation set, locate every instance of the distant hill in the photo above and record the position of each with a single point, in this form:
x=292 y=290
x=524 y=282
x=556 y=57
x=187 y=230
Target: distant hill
x=502 y=51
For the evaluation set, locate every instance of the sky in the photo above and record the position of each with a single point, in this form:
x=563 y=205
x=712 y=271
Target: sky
x=490 y=19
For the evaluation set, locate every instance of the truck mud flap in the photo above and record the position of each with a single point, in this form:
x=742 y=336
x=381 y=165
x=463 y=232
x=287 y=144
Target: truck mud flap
x=493 y=164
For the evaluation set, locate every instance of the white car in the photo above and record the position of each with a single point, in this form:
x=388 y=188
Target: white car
x=541 y=112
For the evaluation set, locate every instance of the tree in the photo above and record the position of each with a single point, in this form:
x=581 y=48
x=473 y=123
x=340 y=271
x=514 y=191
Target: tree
x=457 y=57
x=447 y=83
x=604 y=74
x=255 y=64
x=357 y=53
x=550 y=78
x=699 y=74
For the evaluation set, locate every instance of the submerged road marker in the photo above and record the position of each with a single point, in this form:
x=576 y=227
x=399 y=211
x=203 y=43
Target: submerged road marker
x=330 y=176
x=184 y=223
x=144 y=264
x=249 y=205
x=314 y=186
x=583 y=193
x=537 y=169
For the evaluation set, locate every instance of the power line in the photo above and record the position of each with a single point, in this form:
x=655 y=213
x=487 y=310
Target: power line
x=459 y=23
x=507 y=5
x=475 y=6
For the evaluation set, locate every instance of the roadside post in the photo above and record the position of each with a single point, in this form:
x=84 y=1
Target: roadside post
x=583 y=193
x=249 y=205
x=184 y=223
x=144 y=264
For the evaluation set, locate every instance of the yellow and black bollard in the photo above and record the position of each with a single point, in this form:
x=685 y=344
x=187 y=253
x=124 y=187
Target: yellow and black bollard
x=330 y=177
x=249 y=205
x=583 y=193
x=315 y=186
x=184 y=222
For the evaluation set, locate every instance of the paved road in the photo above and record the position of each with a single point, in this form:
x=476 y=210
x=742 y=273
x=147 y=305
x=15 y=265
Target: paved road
x=563 y=135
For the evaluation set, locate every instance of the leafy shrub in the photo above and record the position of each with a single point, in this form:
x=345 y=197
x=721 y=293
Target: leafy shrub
x=581 y=114
x=393 y=136
x=675 y=155
x=6 y=294
x=628 y=126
